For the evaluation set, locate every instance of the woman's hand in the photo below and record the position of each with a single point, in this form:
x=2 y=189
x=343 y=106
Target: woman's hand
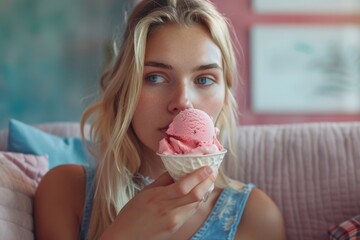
x=162 y=207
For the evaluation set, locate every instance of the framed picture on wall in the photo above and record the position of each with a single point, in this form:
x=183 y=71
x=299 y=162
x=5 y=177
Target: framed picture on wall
x=305 y=69
x=307 y=6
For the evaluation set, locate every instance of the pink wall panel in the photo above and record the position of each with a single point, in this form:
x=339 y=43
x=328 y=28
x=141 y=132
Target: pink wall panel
x=242 y=18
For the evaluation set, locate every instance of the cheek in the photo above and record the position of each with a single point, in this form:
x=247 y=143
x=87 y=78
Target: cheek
x=212 y=103
x=215 y=106
x=146 y=120
x=139 y=125
x=142 y=111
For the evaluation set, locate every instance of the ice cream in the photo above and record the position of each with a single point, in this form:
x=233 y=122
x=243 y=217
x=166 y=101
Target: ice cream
x=189 y=143
x=192 y=132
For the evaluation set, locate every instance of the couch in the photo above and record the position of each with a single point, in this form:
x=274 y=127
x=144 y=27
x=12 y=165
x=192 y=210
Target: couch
x=311 y=170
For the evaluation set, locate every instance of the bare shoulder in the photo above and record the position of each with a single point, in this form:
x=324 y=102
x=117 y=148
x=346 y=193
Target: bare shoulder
x=59 y=201
x=262 y=219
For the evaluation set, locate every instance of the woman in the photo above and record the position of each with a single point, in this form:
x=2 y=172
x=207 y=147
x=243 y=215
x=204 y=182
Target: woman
x=175 y=54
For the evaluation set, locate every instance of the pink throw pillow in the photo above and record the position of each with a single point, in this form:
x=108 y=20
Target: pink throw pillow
x=19 y=177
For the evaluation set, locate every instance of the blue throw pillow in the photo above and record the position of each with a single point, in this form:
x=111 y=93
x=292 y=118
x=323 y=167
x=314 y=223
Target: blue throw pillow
x=26 y=139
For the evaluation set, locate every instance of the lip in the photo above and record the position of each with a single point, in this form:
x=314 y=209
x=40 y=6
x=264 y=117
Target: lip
x=163 y=129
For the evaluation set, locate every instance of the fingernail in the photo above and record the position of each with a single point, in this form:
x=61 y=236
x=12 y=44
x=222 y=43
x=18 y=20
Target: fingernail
x=214 y=171
x=209 y=170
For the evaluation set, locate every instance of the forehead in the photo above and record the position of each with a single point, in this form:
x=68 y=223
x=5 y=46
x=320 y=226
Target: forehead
x=173 y=41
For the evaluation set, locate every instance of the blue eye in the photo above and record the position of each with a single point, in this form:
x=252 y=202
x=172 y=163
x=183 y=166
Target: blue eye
x=155 y=79
x=204 y=81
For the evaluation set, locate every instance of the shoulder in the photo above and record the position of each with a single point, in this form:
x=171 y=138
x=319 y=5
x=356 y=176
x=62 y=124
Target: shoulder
x=59 y=202
x=261 y=219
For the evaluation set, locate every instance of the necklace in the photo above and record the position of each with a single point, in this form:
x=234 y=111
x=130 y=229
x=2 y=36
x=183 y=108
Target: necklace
x=143 y=180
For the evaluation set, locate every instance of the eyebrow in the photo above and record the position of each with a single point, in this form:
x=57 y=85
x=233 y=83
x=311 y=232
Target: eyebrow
x=208 y=66
x=167 y=66
x=158 y=64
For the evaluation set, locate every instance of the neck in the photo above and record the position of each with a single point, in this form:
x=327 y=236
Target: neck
x=151 y=164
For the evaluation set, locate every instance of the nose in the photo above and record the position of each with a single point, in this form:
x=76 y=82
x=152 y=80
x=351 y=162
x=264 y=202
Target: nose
x=180 y=98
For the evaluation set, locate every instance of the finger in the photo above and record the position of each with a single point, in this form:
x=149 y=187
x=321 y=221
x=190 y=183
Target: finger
x=176 y=217
x=187 y=206
x=164 y=180
x=198 y=194
x=204 y=176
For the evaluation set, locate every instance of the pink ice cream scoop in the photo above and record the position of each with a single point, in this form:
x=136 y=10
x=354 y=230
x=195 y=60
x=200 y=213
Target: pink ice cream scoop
x=192 y=132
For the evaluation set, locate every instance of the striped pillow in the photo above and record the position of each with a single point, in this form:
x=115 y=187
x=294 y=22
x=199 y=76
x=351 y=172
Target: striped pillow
x=347 y=230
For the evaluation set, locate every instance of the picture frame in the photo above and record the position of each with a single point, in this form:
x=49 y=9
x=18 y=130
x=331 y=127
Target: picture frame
x=307 y=6
x=305 y=69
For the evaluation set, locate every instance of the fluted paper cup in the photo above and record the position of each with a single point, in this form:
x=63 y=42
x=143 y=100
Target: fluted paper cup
x=180 y=165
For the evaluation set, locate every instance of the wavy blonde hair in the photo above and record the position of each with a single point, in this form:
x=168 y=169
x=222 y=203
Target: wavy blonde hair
x=114 y=143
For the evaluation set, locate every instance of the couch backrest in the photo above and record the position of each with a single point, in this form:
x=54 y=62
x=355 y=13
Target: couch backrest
x=312 y=171
x=3 y=139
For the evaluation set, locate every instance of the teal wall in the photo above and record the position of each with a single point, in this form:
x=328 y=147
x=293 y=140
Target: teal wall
x=51 y=56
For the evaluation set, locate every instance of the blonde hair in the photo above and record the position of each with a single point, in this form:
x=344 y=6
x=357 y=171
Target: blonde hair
x=114 y=142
